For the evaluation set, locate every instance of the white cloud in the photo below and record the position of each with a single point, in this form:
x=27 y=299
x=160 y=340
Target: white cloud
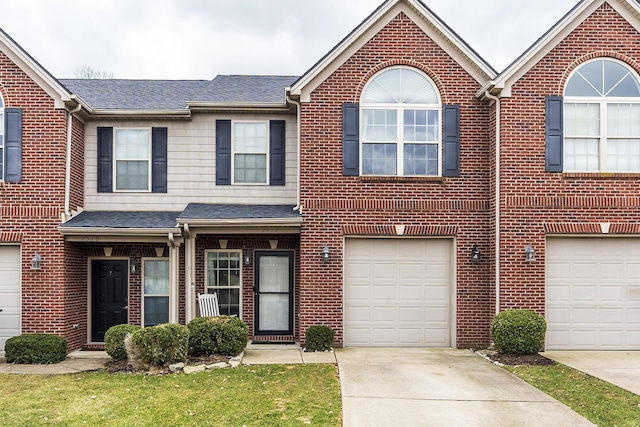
x=201 y=38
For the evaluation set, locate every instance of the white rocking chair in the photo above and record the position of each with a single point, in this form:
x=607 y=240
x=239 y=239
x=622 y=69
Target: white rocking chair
x=208 y=304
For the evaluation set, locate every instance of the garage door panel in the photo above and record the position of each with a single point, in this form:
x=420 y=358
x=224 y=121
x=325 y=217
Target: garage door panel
x=604 y=303
x=409 y=291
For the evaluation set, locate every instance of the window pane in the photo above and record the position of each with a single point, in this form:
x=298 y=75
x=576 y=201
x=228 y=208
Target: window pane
x=132 y=175
x=420 y=125
x=420 y=158
x=400 y=86
x=156 y=277
x=623 y=120
x=581 y=155
x=250 y=168
x=224 y=280
x=379 y=159
x=582 y=119
x=623 y=155
x=132 y=143
x=379 y=125
x=156 y=310
x=249 y=137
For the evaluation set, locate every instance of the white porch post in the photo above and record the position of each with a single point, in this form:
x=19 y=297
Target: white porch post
x=174 y=263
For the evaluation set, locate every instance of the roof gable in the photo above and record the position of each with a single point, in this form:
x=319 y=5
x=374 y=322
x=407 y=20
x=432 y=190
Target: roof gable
x=34 y=70
x=502 y=84
x=422 y=16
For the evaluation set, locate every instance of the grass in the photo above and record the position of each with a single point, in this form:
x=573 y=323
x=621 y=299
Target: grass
x=269 y=395
x=601 y=403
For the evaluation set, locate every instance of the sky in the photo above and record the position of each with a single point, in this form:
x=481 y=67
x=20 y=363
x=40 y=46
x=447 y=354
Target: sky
x=199 y=39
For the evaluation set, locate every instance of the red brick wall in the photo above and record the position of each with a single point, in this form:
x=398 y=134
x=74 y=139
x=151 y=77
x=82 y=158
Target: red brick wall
x=31 y=209
x=531 y=197
x=331 y=201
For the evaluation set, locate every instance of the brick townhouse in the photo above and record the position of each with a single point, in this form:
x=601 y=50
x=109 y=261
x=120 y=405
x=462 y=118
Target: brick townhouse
x=401 y=191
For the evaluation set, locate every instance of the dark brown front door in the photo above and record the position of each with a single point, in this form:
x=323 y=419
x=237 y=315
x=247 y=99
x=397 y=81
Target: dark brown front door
x=109 y=296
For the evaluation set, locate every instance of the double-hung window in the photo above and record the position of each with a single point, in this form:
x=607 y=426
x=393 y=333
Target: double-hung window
x=156 y=291
x=250 y=152
x=400 y=122
x=2 y=150
x=602 y=119
x=132 y=159
x=224 y=278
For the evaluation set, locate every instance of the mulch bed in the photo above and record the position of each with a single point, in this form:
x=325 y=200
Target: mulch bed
x=521 y=359
x=120 y=366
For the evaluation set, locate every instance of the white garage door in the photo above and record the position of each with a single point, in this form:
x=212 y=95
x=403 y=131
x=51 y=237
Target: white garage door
x=398 y=292
x=593 y=293
x=9 y=293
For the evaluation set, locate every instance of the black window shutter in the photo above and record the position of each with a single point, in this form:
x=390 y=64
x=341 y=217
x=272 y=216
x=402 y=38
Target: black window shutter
x=13 y=144
x=277 y=152
x=350 y=139
x=554 y=134
x=159 y=160
x=105 y=160
x=451 y=140
x=223 y=152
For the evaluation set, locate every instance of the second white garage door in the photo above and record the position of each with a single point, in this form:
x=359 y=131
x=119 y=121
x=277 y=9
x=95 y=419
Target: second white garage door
x=9 y=293
x=593 y=293
x=398 y=292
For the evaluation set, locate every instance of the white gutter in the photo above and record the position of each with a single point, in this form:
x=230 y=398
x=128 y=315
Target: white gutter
x=299 y=163
x=67 y=183
x=497 y=201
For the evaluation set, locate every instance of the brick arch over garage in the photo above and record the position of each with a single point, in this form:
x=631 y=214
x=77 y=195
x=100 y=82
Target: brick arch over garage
x=398 y=62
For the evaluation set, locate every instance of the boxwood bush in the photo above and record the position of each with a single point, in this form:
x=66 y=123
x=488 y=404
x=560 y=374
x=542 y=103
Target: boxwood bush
x=159 y=345
x=319 y=338
x=518 y=332
x=224 y=335
x=35 y=348
x=114 y=340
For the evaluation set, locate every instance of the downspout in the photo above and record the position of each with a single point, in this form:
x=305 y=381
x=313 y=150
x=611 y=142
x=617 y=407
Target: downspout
x=497 y=201
x=298 y=164
x=67 y=183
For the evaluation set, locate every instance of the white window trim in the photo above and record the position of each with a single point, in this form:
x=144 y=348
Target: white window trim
x=603 y=137
x=142 y=276
x=400 y=122
x=603 y=102
x=233 y=154
x=400 y=141
x=148 y=160
x=206 y=275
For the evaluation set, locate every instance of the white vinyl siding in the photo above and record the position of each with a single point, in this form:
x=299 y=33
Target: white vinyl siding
x=398 y=292
x=10 y=300
x=191 y=172
x=593 y=293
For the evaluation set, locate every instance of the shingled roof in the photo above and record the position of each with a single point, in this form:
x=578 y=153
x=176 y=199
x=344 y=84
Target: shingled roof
x=114 y=94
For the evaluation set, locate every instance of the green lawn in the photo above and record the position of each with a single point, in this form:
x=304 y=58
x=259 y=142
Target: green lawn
x=600 y=402
x=269 y=395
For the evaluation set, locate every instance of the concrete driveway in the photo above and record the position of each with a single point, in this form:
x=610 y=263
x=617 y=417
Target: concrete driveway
x=426 y=387
x=621 y=368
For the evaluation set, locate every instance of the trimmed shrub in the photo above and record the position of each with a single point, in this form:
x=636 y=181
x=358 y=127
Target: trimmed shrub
x=518 y=332
x=35 y=348
x=319 y=338
x=114 y=340
x=224 y=335
x=158 y=345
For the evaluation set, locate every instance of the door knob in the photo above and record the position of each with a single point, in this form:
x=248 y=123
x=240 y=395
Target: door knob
x=125 y=307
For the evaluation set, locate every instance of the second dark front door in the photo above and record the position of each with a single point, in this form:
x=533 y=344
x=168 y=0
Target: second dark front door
x=109 y=296
x=274 y=293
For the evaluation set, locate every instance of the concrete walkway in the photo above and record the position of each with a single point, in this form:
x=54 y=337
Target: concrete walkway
x=78 y=361
x=621 y=368
x=426 y=387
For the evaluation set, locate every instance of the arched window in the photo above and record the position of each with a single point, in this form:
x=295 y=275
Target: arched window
x=400 y=122
x=602 y=118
